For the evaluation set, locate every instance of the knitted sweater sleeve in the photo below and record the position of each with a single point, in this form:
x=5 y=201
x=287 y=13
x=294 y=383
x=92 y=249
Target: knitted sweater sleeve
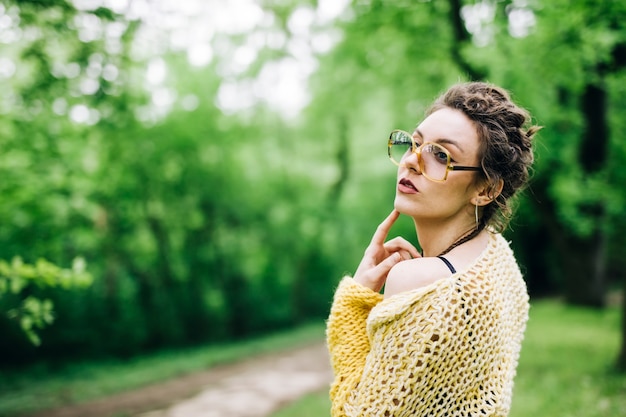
x=347 y=338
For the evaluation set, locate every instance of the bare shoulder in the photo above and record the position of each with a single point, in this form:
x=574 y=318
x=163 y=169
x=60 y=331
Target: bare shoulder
x=415 y=273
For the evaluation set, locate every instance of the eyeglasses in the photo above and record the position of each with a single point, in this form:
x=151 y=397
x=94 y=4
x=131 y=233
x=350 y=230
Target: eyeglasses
x=433 y=159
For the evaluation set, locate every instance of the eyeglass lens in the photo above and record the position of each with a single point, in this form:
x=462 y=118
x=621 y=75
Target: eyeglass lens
x=434 y=158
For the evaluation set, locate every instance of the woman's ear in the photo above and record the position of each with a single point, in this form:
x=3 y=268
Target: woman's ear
x=487 y=194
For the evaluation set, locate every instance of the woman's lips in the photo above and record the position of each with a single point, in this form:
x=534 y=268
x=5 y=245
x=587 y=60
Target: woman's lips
x=406 y=186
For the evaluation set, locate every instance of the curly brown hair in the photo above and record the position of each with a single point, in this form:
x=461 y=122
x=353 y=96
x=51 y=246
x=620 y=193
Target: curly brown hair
x=505 y=133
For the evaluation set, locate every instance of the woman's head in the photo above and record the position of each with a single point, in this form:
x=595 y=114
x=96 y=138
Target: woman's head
x=505 y=150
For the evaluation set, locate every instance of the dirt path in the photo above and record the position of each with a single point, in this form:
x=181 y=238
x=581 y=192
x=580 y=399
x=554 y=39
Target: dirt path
x=253 y=388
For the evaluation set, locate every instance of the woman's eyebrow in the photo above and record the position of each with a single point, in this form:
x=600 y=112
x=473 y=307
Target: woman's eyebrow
x=441 y=140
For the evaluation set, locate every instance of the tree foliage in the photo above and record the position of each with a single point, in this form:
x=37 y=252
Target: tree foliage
x=19 y=283
x=202 y=222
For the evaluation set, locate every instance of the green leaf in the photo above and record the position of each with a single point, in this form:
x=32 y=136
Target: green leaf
x=33 y=337
x=17 y=284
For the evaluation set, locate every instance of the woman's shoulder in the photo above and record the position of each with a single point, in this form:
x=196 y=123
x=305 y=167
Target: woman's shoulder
x=415 y=273
x=418 y=273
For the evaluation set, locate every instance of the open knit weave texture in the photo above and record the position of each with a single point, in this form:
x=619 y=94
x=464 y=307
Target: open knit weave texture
x=447 y=349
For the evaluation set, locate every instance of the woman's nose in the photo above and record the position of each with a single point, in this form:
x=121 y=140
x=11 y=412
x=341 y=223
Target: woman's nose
x=412 y=162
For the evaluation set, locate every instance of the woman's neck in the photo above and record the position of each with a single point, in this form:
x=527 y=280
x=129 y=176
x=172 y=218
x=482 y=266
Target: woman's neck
x=436 y=239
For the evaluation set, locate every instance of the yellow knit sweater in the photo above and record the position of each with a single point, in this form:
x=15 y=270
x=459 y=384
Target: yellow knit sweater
x=448 y=349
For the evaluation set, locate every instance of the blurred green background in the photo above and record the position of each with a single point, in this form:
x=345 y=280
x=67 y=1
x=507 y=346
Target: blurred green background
x=199 y=172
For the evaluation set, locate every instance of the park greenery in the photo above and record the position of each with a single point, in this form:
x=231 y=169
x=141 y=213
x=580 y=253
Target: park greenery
x=206 y=211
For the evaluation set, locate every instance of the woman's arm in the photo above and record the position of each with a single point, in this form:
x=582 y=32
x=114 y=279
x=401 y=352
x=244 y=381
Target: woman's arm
x=347 y=337
x=348 y=342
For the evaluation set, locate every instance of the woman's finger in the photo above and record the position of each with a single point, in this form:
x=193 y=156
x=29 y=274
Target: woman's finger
x=375 y=277
x=405 y=255
x=383 y=229
x=400 y=244
x=383 y=268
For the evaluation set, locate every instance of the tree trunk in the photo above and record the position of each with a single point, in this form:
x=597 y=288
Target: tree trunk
x=461 y=38
x=579 y=261
x=618 y=63
x=594 y=146
x=587 y=257
x=585 y=266
x=343 y=163
x=621 y=359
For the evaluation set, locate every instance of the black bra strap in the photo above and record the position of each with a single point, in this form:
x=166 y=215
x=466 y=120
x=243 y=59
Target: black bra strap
x=448 y=264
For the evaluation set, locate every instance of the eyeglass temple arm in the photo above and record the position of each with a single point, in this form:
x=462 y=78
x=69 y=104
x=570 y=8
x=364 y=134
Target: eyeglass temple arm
x=464 y=168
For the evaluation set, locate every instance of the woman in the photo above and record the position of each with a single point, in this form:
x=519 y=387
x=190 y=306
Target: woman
x=443 y=339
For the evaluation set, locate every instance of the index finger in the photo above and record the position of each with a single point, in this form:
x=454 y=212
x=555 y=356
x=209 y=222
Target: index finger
x=383 y=229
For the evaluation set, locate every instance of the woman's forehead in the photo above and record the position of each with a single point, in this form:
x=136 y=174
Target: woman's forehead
x=451 y=126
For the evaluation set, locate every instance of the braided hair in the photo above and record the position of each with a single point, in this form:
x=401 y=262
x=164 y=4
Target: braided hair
x=505 y=152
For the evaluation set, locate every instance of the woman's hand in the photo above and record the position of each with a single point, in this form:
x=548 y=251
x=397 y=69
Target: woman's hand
x=380 y=257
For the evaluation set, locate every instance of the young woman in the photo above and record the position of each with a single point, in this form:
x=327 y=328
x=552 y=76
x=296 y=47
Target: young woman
x=444 y=337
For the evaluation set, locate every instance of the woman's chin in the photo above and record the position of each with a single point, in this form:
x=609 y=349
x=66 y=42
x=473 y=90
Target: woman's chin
x=403 y=207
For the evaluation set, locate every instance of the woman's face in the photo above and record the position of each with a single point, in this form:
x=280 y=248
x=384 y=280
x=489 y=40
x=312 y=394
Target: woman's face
x=421 y=198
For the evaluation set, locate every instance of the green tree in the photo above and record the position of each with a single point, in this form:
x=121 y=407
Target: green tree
x=18 y=291
x=204 y=222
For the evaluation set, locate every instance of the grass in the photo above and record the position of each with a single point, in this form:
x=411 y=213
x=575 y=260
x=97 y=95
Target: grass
x=42 y=387
x=565 y=368
x=566 y=364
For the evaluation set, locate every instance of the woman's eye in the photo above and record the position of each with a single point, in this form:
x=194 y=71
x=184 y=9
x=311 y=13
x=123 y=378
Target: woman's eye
x=438 y=154
x=441 y=156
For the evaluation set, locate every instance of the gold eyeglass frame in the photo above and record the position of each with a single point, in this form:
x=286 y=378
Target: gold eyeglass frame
x=417 y=150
